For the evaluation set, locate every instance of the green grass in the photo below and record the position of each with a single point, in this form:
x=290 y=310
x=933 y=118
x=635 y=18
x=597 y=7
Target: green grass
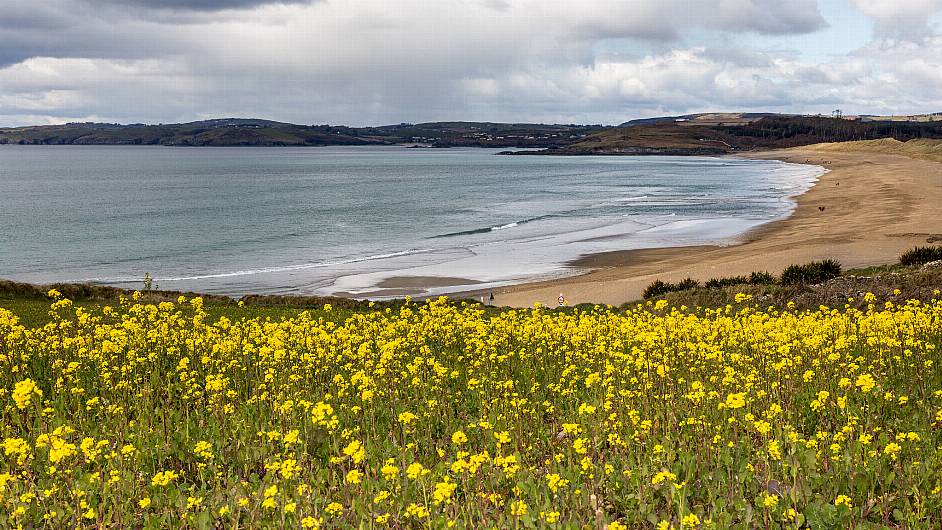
x=31 y=305
x=34 y=312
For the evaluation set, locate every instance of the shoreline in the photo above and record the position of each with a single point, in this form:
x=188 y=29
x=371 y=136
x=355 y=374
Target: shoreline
x=865 y=210
x=724 y=231
x=876 y=200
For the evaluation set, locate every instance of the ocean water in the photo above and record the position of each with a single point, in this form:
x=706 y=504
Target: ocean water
x=346 y=219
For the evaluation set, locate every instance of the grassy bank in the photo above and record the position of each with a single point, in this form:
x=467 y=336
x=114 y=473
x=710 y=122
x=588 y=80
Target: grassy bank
x=212 y=414
x=31 y=303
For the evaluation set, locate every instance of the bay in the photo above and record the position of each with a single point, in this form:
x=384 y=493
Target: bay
x=344 y=219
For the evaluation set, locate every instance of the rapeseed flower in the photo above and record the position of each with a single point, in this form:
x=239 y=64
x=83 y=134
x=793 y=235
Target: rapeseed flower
x=24 y=391
x=161 y=412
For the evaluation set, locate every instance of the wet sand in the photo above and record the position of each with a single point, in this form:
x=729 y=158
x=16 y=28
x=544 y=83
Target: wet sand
x=400 y=286
x=869 y=208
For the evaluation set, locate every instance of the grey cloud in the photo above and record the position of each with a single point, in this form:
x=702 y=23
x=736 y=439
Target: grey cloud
x=204 y=5
x=739 y=57
x=900 y=21
x=776 y=17
x=59 y=28
x=668 y=19
x=368 y=61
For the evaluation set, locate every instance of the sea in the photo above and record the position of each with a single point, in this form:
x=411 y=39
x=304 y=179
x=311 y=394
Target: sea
x=351 y=220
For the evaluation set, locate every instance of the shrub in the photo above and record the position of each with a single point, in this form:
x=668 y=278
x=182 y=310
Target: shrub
x=813 y=272
x=717 y=283
x=761 y=278
x=756 y=278
x=657 y=288
x=920 y=255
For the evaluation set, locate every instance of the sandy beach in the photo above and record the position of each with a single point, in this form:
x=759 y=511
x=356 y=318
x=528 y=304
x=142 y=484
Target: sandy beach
x=877 y=200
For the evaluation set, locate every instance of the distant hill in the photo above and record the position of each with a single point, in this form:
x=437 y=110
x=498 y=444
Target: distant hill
x=708 y=118
x=253 y=132
x=935 y=116
x=692 y=134
x=715 y=134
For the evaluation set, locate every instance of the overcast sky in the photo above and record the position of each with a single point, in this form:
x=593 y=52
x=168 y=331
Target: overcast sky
x=372 y=62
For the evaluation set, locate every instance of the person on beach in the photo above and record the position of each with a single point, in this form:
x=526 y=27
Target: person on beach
x=562 y=300
x=492 y=297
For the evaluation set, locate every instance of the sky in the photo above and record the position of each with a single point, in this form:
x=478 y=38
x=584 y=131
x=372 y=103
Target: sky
x=375 y=62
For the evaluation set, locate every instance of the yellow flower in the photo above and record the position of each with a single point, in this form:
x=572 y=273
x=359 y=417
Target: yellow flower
x=355 y=451
x=736 y=401
x=203 y=450
x=389 y=471
x=663 y=476
x=865 y=382
x=23 y=392
x=310 y=523
x=354 y=476
x=381 y=496
x=555 y=482
x=579 y=446
x=162 y=478
x=417 y=511
x=458 y=438
x=414 y=470
x=443 y=491
x=842 y=500
x=144 y=502
x=770 y=501
x=892 y=449
x=518 y=508
x=289 y=468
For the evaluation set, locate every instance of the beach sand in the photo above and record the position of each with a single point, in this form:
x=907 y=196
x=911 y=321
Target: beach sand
x=876 y=201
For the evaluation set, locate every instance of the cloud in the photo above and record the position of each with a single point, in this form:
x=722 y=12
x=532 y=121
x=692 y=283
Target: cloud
x=369 y=62
x=903 y=20
x=669 y=19
x=205 y=5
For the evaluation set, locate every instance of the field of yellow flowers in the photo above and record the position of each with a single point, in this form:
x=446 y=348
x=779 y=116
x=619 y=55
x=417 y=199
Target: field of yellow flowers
x=440 y=415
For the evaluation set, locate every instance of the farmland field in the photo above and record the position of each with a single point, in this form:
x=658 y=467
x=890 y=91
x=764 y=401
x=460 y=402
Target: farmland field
x=443 y=414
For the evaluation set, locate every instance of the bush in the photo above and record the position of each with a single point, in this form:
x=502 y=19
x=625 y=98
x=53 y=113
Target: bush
x=761 y=278
x=718 y=283
x=756 y=278
x=657 y=288
x=813 y=272
x=921 y=255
